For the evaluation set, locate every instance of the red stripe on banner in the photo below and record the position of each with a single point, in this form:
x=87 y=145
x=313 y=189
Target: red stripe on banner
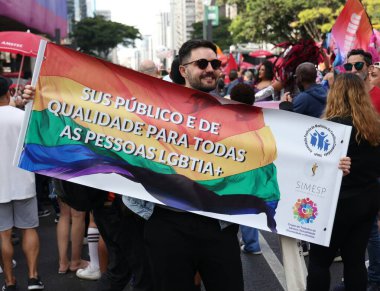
x=119 y=81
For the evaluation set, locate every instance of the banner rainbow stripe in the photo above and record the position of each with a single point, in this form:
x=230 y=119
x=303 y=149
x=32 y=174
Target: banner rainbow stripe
x=64 y=140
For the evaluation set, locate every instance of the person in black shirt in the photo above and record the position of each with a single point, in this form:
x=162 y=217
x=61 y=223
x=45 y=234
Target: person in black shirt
x=349 y=103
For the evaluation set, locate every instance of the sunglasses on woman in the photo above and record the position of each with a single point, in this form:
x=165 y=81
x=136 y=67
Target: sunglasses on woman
x=203 y=63
x=358 y=66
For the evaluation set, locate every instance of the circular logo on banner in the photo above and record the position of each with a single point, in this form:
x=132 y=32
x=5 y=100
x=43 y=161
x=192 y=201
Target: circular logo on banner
x=305 y=210
x=320 y=140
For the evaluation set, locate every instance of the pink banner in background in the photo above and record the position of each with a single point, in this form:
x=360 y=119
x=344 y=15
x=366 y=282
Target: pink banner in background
x=44 y=15
x=352 y=28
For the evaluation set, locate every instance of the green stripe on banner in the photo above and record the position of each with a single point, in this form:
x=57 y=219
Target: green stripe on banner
x=260 y=182
x=44 y=129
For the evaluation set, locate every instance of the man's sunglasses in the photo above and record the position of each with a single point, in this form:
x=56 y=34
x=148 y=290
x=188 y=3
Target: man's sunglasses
x=358 y=66
x=203 y=63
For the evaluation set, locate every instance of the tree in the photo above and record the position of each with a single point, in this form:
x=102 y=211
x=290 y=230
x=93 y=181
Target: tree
x=317 y=21
x=97 y=36
x=373 y=10
x=267 y=21
x=220 y=34
x=276 y=21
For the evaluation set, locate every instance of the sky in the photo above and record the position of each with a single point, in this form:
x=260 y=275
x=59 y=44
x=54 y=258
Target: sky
x=138 y=13
x=141 y=14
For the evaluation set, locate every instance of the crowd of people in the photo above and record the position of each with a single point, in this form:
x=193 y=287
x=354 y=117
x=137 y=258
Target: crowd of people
x=154 y=247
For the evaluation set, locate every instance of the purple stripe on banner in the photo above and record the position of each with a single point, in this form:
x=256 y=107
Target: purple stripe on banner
x=67 y=173
x=34 y=15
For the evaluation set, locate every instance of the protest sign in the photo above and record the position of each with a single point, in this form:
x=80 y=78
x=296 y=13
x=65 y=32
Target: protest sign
x=112 y=128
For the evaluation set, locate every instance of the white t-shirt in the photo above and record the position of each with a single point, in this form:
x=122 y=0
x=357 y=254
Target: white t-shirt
x=15 y=183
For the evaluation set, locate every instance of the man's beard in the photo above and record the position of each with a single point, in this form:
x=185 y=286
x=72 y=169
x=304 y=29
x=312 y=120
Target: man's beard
x=196 y=83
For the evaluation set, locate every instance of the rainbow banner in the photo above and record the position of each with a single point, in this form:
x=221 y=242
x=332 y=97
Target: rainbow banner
x=112 y=128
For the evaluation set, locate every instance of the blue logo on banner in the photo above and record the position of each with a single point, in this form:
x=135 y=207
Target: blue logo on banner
x=320 y=140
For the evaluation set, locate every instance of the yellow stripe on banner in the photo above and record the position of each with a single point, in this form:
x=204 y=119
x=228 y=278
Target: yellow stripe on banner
x=260 y=145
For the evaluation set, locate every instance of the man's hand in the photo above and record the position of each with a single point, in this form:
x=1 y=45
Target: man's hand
x=28 y=93
x=287 y=97
x=345 y=165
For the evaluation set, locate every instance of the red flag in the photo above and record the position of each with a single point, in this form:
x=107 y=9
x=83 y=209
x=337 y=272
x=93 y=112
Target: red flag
x=231 y=65
x=352 y=28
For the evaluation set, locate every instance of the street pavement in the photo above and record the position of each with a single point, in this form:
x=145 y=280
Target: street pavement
x=261 y=272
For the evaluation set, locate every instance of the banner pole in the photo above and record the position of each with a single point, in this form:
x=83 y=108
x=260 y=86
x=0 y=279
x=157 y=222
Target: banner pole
x=19 y=73
x=29 y=105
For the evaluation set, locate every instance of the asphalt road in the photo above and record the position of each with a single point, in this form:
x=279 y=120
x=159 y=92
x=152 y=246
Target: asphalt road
x=261 y=272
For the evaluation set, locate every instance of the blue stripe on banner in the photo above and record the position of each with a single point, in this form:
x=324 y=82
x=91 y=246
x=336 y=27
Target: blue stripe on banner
x=175 y=190
x=69 y=161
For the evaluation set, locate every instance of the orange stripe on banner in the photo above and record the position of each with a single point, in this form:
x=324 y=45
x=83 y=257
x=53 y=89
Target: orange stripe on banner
x=119 y=81
x=259 y=144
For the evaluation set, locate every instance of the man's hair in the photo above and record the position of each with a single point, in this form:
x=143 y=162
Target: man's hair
x=307 y=72
x=367 y=56
x=174 y=74
x=249 y=75
x=243 y=93
x=148 y=67
x=185 y=50
x=233 y=75
x=5 y=83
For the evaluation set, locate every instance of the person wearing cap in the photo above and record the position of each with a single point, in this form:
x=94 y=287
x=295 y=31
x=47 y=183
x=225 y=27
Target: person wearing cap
x=373 y=247
x=375 y=82
x=374 y=74
x=18 y=203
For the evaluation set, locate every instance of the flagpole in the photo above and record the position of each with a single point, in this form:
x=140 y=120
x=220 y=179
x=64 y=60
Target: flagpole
x=28 y=106
x=19 y=73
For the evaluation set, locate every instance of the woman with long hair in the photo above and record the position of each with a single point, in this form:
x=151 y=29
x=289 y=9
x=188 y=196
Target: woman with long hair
x=263 y=85
x=349 y=103
x=265 y=75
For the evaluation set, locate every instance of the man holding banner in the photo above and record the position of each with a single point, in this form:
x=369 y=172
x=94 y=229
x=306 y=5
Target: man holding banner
x=179 y=242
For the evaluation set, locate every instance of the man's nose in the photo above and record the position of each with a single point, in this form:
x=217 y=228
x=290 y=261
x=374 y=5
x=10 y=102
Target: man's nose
x=209 y=68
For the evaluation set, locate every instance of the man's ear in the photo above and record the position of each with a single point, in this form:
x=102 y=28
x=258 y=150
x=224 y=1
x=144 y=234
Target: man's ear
x=182 y=70
x=300 y=79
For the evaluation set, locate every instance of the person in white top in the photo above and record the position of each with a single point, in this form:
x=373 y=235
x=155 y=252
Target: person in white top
x=18 y=203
